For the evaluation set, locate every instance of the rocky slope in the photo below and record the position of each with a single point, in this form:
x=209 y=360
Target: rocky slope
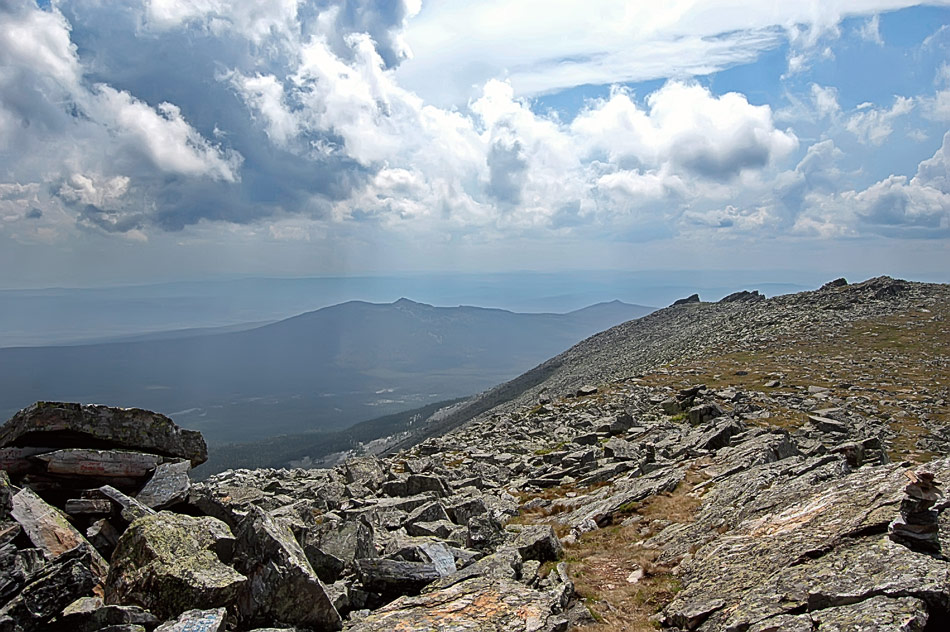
x=770 y=467
x=691 y=330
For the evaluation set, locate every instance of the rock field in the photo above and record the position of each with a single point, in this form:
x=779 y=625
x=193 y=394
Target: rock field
x=750 y=465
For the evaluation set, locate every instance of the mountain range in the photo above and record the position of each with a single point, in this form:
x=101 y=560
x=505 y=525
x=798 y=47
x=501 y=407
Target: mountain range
x=325 y=369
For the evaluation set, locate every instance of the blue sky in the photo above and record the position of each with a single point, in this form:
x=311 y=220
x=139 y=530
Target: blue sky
x=171 y=139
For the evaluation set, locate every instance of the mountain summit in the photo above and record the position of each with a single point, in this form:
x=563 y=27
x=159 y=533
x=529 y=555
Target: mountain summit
x=746 y=465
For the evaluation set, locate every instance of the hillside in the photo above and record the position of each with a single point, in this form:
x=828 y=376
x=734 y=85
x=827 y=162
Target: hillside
x=691 y=331
x=784 y=471
x=322 y=370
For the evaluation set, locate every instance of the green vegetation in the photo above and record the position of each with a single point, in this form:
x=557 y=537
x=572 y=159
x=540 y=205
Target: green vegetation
x=281 y=450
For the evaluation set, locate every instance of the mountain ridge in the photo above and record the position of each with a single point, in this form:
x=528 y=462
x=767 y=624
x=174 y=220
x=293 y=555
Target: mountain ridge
x=303 y=368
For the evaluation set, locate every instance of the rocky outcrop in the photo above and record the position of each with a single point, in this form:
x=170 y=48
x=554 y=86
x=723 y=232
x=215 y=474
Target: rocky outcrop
x=63 y=425
x=169 y=563
x=793 y=515
x=282 y=585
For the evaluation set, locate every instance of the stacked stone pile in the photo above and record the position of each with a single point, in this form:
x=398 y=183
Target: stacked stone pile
x=917 y=525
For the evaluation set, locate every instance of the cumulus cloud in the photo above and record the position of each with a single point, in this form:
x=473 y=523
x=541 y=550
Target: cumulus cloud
x=872 y=125
x=686 y=127
x=287 y=111
x=938 y=106
x=56 y=122
x=896 y=206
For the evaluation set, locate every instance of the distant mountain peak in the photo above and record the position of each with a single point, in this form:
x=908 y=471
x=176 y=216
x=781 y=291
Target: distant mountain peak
x=405 y=302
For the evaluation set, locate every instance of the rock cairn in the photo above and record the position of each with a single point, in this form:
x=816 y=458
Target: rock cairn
x=918 y=524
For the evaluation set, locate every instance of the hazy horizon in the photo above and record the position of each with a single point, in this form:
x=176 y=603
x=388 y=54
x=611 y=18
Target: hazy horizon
x=153 y=141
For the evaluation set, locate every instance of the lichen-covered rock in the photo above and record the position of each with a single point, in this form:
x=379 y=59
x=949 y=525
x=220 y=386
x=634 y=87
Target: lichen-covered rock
x=169 y=563
x=59 y=424
x=877 y=614
x=814 y=539
x=6 y=495
x=396 y=577
x=282 y=585
x=538 y=542
x=475 y=605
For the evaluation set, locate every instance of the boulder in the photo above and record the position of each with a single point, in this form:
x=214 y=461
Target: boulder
x=63 y=425
x=332 y=547
x=49 y=591
x=743 y=296
x=84 y=462
x=505 y=563
x=396 y=577
x=282 y=585
x=88 y=507
x=129 y=508
x=703 y=413
x=89 y=614
x=366 y=471
x=196 y=621
x=538 y=542
x=480 y=603
x=420 y=483
x=169 y=563
x=16 y=569
x=6 y=495
x=692 y=298
x=168 y=486
x=50 y=531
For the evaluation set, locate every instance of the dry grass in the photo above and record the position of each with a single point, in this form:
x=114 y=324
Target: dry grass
x=894 y=364
x=601 y=562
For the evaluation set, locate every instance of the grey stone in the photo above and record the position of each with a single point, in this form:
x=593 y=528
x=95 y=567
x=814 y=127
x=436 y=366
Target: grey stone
x=538 y=542
x=51 y=531
x=196 y=621
x=396 y=577
x=282 y=585
x=52 y=423
x=479 y=603
x=168 y=486
x=47 y=593
x=89 y=614
x=169 y=563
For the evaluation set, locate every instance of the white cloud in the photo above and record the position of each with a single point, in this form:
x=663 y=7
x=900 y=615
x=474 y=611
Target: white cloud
x=872 y=125
x=871 y=30
x=686 y=127
x=459 y=45
x=94 y=190
x=255 y=20
x=894 y=206
x=264 y=94
x=938 y=106
x=162 y=135
x=825 y=99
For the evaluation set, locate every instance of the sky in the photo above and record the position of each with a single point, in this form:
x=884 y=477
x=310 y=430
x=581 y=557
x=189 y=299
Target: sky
x=155 y=140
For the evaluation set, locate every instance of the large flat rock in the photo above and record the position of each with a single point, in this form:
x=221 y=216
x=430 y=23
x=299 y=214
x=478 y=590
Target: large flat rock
x=68 y=425
x=813 y=539
x=475 y=605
